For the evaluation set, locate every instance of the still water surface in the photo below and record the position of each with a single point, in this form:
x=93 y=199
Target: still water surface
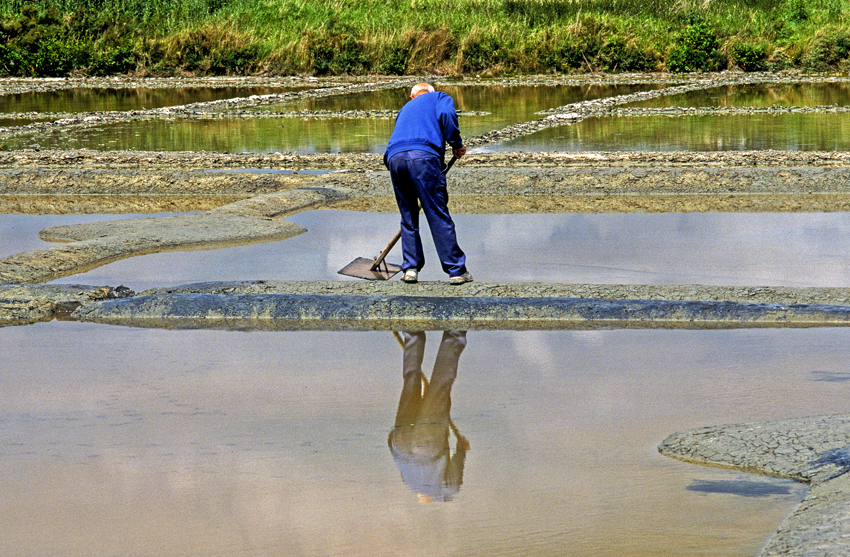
x=140 y=98
x=727 y=249
x=504 y=105
x=795 y=132
x=150 y=442
x=758 y=95
x=786 y=132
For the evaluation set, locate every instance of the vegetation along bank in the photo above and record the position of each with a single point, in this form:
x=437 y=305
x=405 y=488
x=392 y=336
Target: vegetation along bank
x=399 y=37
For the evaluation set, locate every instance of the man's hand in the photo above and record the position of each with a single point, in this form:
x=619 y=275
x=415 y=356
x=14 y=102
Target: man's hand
x=458 y=153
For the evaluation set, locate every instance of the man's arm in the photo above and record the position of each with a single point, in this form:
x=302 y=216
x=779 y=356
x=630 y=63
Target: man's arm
x=449 y=125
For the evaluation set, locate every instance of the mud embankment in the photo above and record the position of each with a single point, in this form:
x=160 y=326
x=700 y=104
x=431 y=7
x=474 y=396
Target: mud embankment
x=484 y=183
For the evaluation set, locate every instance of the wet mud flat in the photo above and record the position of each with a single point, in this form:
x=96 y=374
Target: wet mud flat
x=245 y=198
x=252 y=207
x=809 y=450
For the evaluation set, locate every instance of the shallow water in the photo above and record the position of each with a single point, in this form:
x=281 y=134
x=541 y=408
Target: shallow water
x=795 y=132
x=150 y=442
x=758 y=95
x=20 y=232
x=787 y=132
x=95 y=100
x=256 y=135
x=505 y=105
x=725 y=249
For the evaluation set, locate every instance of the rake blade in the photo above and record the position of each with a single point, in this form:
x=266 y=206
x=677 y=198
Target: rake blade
x=362 y=268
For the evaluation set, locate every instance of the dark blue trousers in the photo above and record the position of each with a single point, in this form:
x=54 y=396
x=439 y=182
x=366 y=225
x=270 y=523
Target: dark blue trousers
x=418 y=177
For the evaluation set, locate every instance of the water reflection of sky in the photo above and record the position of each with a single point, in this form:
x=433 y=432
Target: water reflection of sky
x=20 y=232
x=789 y=249
x=208 y=442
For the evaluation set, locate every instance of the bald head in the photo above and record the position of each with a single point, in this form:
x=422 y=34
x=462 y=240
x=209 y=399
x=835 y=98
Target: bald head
x=421 y=88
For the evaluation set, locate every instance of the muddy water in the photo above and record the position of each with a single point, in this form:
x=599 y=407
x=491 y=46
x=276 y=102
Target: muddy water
x=758 y=95
x=91 y=100
x=149 y=442
x=504 y=105
x=750 y=249
x=256 y=135
x=805 y=132
x=789 y=132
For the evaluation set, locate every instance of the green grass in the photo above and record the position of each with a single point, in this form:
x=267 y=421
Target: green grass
x=210 y=37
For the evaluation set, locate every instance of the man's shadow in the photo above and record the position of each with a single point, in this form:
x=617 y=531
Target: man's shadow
x=420 y=442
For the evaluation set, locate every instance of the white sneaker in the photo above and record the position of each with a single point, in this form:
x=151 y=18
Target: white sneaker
x=461 y=279
x=411 y=276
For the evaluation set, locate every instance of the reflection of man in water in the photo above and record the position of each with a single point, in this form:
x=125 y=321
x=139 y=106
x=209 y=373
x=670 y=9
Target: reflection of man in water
x=420 y=441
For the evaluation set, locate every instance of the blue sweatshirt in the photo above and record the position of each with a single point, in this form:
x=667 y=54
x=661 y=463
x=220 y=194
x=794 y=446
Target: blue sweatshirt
x=427 y=122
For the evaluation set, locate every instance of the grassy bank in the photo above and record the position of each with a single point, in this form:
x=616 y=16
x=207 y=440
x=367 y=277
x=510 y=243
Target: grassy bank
x=333 y=37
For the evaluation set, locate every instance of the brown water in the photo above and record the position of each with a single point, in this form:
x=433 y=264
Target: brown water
x=787 y=132
x=758 y=95
x=256 y=135
x=803 y=132
x=505 y=105
x=150 y=442
x=775 y=249
x=103 y=99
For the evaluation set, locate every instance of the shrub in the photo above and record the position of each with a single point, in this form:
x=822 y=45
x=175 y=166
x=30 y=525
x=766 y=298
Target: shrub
x=337 y=53
x=46 y=44
x=779 y=60
x=395 y=61
x=483 y=52
x=834 y=9
x=749 y=57
x=537 y=13
x=11 y=61
x=828 y=51
x=797 y=10
x=113 y=60
x=617 y=55
x=561 y=56
x=697 y=48
x=209 y=51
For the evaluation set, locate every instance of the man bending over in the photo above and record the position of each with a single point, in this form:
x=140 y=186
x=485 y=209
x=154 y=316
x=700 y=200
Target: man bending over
x=414 y=157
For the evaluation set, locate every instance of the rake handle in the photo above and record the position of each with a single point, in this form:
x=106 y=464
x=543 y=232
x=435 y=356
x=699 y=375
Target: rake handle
x=397 y=237
x=380 y=258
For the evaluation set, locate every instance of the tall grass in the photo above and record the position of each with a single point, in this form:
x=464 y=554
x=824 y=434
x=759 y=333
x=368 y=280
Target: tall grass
x=414 y=36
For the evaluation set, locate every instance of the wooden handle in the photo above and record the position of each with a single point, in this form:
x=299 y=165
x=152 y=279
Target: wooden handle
x=380 y=258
